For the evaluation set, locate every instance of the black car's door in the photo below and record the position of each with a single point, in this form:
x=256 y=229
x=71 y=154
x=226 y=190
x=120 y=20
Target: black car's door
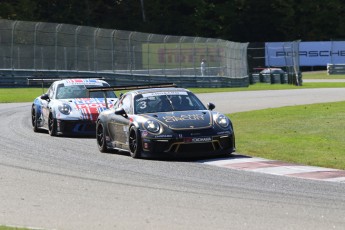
x=120 y=124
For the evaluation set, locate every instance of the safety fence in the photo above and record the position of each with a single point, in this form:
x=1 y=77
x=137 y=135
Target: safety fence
x=39 y=46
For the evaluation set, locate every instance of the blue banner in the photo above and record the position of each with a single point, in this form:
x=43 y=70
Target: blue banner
x=310 y=53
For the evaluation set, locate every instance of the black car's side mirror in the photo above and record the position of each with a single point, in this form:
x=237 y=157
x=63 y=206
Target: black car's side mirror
x=210 y=106
x=120 y=111
x=45 y=97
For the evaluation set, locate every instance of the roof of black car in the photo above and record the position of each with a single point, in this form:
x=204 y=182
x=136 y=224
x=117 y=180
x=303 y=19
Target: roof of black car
x=141 y=91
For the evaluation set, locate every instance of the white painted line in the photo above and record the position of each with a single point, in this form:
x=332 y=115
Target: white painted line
x=336 y=179
x=233 y=161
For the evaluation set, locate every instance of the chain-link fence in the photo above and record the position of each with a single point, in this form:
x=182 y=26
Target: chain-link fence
x=48 y=46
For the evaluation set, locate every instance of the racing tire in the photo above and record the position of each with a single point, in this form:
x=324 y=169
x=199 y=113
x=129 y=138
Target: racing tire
x=34 y=119
x=134 y=142
x=51 y=125
x=101 y=138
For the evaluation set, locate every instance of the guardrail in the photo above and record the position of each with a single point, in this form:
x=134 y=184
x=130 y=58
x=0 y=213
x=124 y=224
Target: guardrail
x=19 y=78
x=335 y=69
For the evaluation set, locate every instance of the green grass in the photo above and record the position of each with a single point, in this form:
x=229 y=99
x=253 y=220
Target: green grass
x=19 y=94
x=307 y=134
x=321 y=75
x=11 y=228
x=265 y=86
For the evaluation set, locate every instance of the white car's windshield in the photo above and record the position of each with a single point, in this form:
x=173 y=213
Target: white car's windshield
x=79 y=91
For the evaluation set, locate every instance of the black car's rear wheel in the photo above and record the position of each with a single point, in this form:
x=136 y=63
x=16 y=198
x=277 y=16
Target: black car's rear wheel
x=51 y=125
x=134 y=142
x=34 y=119
x=100 y=136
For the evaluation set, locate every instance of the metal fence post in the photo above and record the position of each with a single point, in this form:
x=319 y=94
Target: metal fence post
x=129 y=50
x=35 y=43
x=165 y=54
x=112 y=50
x=76 y=48
x=148 y=40
x=57 y=28
x=12 y=44
x=95 y=50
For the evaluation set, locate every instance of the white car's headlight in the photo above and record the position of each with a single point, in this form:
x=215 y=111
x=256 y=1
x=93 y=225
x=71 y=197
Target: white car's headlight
x=223 y=121
x=65 y=109
x=152 y=126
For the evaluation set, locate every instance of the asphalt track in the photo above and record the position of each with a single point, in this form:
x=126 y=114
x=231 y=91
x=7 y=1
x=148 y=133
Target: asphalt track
x=65 y=183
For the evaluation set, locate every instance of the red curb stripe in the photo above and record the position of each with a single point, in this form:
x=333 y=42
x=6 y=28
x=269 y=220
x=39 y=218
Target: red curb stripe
x=319 y=175
x=275 y=167
x=258 y=164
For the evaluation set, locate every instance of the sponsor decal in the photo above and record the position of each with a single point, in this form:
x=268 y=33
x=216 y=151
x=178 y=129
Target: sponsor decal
x=164 y=93
x=224 y=132
x=82 y=82
x=189 y=117
x=89 y=102
x=197 y=139
x=163 y=136
x=144 y=133
x=90 y=106
x=172 y=55
x=309 y=53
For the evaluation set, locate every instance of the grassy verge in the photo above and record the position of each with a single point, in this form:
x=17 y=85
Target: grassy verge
x=321 y=75
x=265 y=86
x=11 y=228
x=19 y=94
x=308 y=134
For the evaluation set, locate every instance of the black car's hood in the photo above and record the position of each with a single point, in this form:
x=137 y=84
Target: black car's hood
x=198 y=119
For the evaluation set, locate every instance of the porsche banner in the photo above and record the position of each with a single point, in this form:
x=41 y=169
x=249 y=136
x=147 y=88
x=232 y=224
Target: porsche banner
x=310 y=53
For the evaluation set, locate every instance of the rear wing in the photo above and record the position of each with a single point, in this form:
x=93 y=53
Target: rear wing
x=45 y=80
x=128 y=87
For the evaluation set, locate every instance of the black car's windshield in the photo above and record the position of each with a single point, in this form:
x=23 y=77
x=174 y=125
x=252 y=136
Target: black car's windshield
x=80 y=91
x=166 y=102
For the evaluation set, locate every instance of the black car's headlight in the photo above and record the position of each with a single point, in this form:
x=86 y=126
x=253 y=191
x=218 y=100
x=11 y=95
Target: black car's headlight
x=65 y=109
x=152 y=126
x=223 y=121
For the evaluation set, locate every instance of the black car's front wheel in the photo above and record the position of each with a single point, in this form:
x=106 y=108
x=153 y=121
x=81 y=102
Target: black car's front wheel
x=51 y=125
x=134 y=142
x=100 y=136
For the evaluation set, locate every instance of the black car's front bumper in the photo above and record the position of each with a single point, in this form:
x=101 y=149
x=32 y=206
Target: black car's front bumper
x=186 y=147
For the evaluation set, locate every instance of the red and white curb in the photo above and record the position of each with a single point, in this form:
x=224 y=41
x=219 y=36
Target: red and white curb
x=281 y=168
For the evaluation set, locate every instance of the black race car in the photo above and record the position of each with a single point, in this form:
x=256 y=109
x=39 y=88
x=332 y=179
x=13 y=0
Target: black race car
x=164 y=122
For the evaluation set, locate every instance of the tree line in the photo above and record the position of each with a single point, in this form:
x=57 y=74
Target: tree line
x=234 y=20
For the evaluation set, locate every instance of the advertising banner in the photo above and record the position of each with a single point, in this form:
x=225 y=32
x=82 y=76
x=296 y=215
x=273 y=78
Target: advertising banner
x=310 y=53
x=180 y=55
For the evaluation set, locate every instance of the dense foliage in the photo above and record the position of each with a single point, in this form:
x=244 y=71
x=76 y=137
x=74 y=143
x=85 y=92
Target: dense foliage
x=235 y=20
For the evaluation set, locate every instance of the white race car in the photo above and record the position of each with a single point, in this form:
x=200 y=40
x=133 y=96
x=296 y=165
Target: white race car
x=68 y=108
